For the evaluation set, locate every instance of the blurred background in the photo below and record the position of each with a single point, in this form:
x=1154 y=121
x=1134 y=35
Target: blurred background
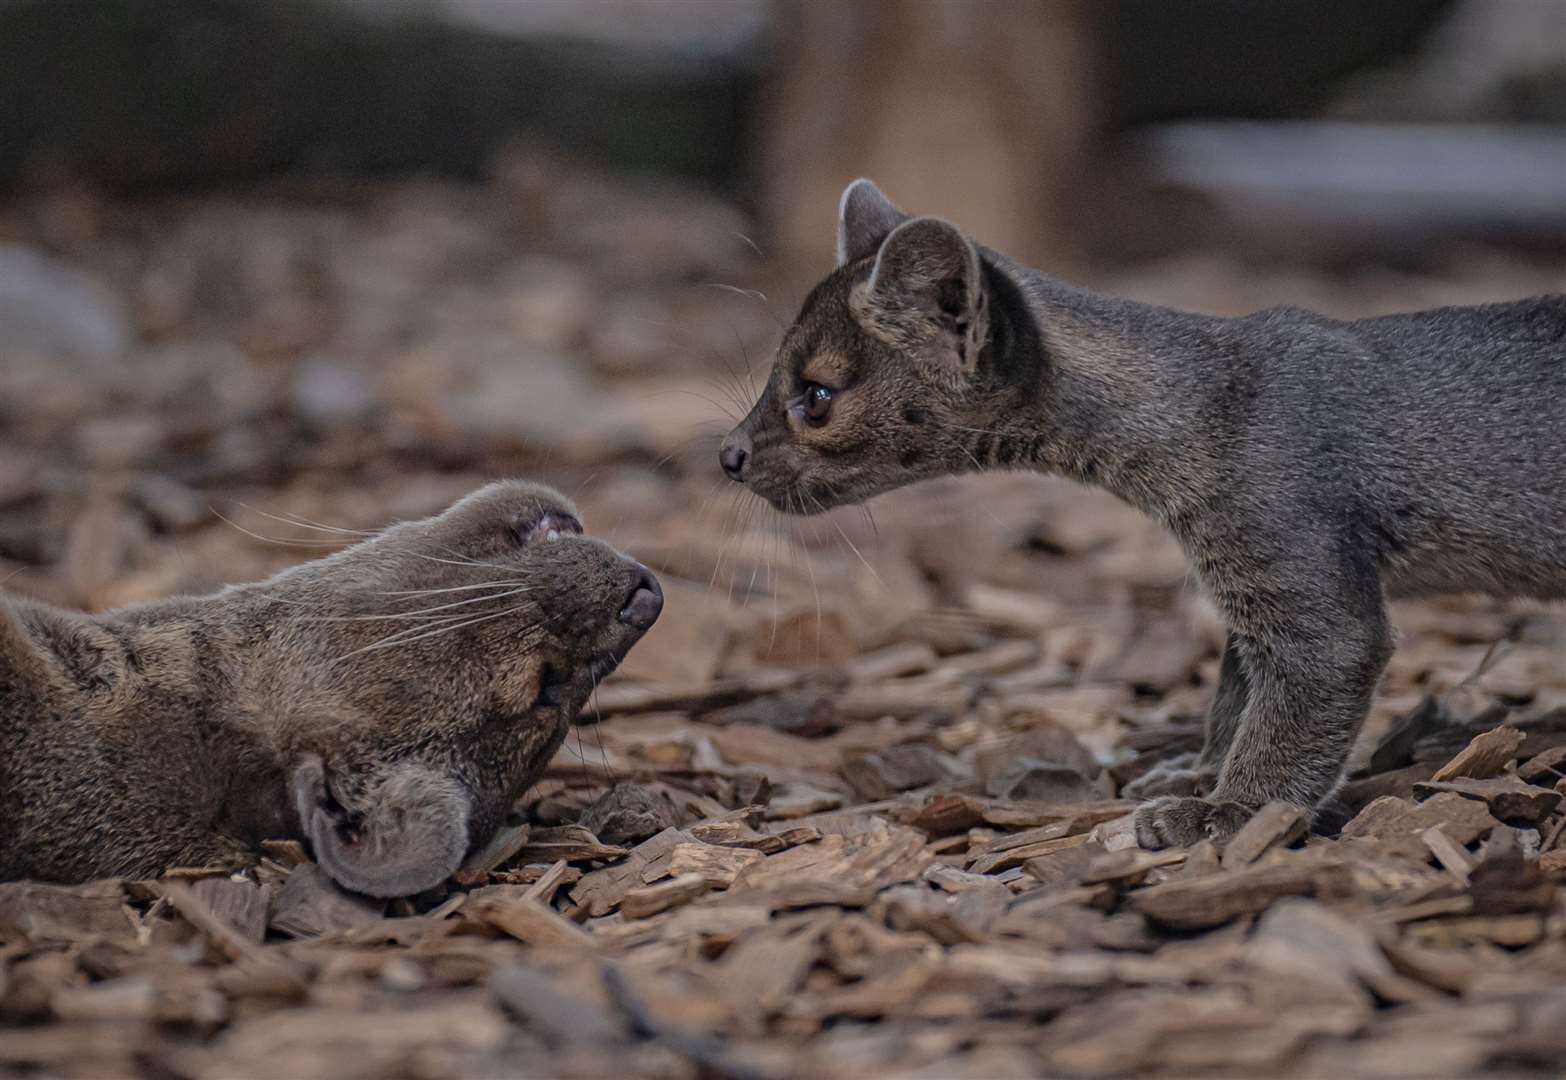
x=275 y=268
x=348 y=258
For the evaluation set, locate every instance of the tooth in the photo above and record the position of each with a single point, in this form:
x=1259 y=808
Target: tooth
x=553 y=534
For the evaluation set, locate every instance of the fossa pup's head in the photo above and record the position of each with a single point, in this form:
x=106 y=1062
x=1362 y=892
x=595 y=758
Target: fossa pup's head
x=455 y=650
x=503 y=599
x=885 y=377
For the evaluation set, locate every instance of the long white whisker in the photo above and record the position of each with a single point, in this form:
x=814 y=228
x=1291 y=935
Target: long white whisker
x=304 y=522
x=810 y=568
x=833 y=522
x=410 y=631
x=277 y=540
x=386 y=643
x=749 y=294
x=464 y=562
x=453 y=588
x=422 y=611
x=748 y=243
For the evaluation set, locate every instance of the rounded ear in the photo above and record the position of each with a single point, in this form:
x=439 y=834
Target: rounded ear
x=927 y=288
x=865 y=217
x=395 y=830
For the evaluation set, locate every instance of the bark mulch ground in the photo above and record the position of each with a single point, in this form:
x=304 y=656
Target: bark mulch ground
x=851 y=809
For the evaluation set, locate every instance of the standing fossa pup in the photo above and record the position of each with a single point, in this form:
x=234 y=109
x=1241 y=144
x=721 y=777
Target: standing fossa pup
x=388 y=704
x=1309 y=467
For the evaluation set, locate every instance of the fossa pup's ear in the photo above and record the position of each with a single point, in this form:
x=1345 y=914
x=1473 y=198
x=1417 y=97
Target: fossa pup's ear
x=927 y=293
x=392 y=830
x=864 y=218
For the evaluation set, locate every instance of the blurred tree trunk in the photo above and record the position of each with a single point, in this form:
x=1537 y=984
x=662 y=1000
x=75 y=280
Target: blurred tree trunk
x=984 y=113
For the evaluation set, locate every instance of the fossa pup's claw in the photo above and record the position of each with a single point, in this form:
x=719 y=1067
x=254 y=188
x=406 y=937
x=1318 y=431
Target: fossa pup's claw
x=1181 y=822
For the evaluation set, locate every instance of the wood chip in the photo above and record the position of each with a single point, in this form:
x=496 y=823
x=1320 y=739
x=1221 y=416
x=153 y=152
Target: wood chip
x=844 y=870
x=1214 y=900
x=229 y=941
x=1128 y=866
x=1063 y=865
x=1508 y=797
x=1450 y=855
x=1401 y=824
x=288 y=852
x=563 y=1018
x=1483 y=756
x=1273 y=826
x=884 y=773
x=241 y=904
x=651 y=899
x=310 y=904
x=543 y=887
x=40 y=911
x=905 y=658
x=1547 y=768
x=572 y=843
x=990 y=859
x=717 y=865
x=601 y=891
x=625 y=698
x=526 y=920
x=1505 y=881
x=507 y=841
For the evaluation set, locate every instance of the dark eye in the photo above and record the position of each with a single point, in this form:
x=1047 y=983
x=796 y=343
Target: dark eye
x=817 y=401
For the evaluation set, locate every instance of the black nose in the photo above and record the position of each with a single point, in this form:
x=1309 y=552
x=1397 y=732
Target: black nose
x=644 y=602
x=733 y=457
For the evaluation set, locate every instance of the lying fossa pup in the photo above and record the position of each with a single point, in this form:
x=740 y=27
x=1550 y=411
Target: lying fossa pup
x=388 y=704
x=1309 y=467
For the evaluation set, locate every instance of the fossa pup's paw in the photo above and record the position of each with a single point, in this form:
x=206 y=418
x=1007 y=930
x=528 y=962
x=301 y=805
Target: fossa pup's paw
x=1178 y=776
x=1181 y=822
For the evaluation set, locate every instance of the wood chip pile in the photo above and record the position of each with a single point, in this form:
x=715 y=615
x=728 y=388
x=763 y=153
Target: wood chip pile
x=850 y=810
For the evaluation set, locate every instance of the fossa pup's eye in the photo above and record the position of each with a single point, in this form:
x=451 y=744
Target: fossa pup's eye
x=551 y=526
x=817 y=402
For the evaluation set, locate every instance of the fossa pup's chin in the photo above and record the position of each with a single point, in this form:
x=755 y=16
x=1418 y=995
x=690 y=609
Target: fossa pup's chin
x=1280 y=447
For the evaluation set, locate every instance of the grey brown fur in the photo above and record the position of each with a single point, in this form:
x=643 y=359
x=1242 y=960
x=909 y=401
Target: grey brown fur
x=1309 y=467
x=184 y=732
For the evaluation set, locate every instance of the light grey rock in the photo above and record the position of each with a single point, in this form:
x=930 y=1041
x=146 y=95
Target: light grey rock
x=50 y=308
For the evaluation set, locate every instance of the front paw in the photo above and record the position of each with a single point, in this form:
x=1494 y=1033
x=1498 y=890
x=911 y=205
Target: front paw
x=1174 y=777
x=1181 y=822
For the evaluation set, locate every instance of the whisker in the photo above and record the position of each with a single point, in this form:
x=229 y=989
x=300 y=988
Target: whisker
x=875 y=531
x=409 y=632
x=749 y=294
x=453 y=588
x=851 y=547
x=463 y=562
x=685 y=444
x=305 y=523
x=279 y=541
x=748 y=382
x=750 y=375
x=810 y=568
x=609 y=776
x=771 y=549
x=400 y=638
x=703 y=397
x=706 y=351
x=747 y=241
x=422 y=611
